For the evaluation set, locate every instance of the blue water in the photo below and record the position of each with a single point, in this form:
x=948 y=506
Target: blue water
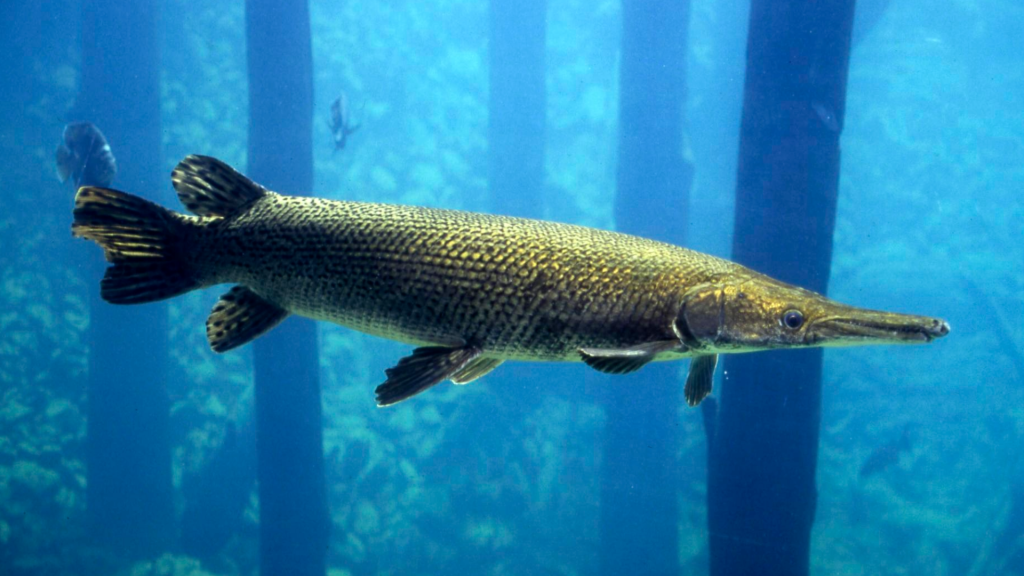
x=489 y=479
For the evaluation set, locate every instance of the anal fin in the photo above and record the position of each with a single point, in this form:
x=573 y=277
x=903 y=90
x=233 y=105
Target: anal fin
x=700 y=378
x=239 y=317
x=422 y=369
x=478 y=368
x=625 y=360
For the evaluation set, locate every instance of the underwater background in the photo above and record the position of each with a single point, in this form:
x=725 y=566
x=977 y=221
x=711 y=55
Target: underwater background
x=489 y=479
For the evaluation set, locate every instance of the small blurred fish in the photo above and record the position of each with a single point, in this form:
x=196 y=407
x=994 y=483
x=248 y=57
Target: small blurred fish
x=340 y=122
x=85 y=156
x=886 y=455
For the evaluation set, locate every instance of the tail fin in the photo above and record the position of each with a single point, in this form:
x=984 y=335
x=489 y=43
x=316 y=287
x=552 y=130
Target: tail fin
x=141 y=239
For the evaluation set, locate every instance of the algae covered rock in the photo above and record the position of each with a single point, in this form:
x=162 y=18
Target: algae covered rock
x=169 y=565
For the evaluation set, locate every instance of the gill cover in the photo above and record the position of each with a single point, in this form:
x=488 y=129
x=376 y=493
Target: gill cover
x=742 y=316
x=700 y=318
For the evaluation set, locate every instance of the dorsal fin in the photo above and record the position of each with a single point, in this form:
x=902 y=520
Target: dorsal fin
x=209 y=187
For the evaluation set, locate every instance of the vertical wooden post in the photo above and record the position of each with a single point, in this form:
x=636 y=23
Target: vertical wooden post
x=128 y=491
x=639 y=513
x=290 y=467
x=516 y=114
x=516 y=135
x=762 y=459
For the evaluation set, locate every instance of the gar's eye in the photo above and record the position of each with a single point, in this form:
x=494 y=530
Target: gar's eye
x=793 y=319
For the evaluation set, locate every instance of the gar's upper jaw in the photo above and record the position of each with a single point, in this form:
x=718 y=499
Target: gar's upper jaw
x=870 y=327
x=937 y=329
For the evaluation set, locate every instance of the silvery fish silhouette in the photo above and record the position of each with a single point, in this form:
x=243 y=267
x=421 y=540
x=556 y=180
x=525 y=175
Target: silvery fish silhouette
x=340 y=122
x=85 y=156
x=472 y=290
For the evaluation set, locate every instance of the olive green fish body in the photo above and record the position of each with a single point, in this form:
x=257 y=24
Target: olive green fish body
x=520 y=289
x=472 y=290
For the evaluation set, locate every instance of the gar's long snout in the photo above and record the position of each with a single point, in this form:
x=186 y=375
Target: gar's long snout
x=854 y=326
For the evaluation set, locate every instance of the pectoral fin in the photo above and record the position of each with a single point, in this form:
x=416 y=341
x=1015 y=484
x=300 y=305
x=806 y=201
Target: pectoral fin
x=422 y=369
x=239 y=317
x=625 y=360
x=700 y=378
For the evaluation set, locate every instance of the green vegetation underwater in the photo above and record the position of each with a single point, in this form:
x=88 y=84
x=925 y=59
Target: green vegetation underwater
x=129 y=447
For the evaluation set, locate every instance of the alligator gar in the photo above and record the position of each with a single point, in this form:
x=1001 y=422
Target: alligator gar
x=471 y=290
